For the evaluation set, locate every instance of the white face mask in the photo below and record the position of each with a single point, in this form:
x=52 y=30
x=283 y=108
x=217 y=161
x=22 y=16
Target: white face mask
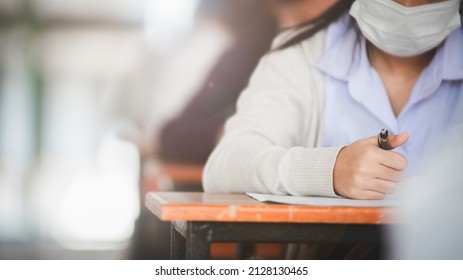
x=406 y=31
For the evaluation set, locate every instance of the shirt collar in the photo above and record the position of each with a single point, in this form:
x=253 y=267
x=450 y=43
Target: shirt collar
x=345 y=58
x=453 y=56
x=341 y=50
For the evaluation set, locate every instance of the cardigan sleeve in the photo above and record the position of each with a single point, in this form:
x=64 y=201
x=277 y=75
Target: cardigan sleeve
x=262 y=149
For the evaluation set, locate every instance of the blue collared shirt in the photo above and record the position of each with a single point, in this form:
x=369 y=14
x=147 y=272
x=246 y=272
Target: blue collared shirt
x=357 y=105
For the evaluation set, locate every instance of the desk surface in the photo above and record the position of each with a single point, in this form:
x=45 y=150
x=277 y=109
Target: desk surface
x=207 y=207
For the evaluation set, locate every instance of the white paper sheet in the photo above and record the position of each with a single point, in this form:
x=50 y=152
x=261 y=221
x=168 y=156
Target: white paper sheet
x=323 y=201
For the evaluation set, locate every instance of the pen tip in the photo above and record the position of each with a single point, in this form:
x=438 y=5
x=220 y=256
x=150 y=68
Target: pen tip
x=384 y=132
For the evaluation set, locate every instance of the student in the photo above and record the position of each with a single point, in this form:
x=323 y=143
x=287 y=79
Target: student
x=307 y=122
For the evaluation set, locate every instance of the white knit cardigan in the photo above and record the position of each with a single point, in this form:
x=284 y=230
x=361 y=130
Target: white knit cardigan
x=272 y=143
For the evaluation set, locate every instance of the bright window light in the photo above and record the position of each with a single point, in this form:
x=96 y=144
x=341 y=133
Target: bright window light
x=168 y=21
x=101 y=204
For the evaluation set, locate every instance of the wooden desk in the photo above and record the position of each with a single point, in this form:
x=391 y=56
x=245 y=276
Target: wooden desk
x=199 y=219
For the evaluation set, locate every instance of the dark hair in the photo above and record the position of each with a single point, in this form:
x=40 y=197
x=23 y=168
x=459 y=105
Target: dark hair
x=309 y=28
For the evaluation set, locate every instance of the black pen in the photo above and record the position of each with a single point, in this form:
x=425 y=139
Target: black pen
x=383 y=140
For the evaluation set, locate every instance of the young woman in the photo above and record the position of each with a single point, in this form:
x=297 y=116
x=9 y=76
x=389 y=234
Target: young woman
x=307 y=123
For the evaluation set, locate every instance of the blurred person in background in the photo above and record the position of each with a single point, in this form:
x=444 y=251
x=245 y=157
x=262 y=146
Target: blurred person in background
x=219 y=23
x=190 y=137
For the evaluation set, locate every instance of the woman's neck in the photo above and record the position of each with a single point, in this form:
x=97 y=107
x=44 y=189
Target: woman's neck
x=399 y=74
x=406 y=67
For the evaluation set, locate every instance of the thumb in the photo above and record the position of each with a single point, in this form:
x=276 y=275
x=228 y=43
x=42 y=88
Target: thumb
x=398 y=140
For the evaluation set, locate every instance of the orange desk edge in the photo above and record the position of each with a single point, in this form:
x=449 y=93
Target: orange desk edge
x=208 y=207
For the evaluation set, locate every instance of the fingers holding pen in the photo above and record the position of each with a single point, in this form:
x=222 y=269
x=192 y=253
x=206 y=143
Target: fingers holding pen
x=364 y=171
x=393 y=159
x=398 y=140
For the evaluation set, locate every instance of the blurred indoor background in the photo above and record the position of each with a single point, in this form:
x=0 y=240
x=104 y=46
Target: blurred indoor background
x=84 y=87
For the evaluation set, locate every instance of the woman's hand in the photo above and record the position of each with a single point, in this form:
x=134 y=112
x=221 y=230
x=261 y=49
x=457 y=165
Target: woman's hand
x=365 y=171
